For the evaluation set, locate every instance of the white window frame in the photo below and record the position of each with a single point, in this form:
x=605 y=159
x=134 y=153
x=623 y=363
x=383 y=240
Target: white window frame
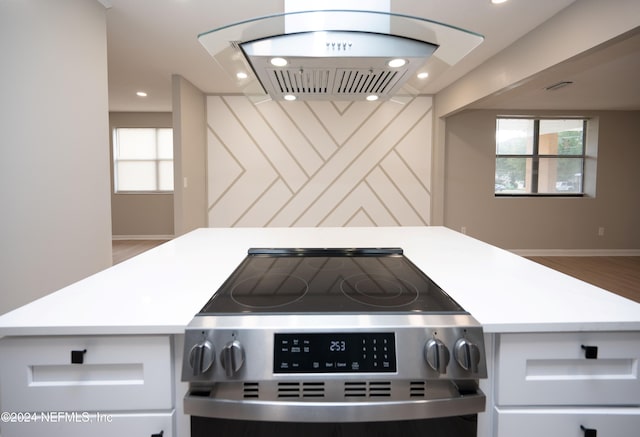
x=156 y=160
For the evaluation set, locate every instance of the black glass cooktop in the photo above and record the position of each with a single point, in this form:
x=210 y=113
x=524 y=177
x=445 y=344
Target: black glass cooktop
x=328 y=281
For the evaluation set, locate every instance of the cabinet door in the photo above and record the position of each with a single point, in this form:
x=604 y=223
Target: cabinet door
x=83 y=425
x=567 y=422
x=554 y=369
x=117 y=373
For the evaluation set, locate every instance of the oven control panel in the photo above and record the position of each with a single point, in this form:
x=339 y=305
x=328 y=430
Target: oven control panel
x=442 y=347
x=351 y=352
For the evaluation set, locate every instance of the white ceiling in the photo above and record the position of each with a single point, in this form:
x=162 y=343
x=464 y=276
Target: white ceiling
x=605 y=78
x=150 y=40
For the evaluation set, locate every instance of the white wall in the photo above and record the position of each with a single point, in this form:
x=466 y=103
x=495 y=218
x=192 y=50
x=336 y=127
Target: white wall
x=318 y=163
x=54 y=170
x=580 y=27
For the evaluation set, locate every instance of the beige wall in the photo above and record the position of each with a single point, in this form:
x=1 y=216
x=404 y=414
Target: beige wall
x=190 y=156
x=54 y=171
x=140 y=215
x=319 y=163
x=544 y=223
x=580 y=27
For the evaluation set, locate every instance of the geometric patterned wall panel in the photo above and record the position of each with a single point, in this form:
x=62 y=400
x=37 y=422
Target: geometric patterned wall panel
x=318 y=163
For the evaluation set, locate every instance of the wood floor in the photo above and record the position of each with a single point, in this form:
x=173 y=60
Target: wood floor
x=618 y=274
x=125 y=249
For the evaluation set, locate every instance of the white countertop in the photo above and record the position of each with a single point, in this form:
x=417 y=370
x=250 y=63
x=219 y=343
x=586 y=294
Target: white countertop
x=159 y=291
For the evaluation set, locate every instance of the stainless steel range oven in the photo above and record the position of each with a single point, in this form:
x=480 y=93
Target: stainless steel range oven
x=332 y=341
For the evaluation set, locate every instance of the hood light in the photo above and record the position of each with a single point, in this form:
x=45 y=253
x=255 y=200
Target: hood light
x=423 y=75
x=279 y=62
x=242 y=75
x=289 y=97
x=396 y=63
x=141 y=94
x=372 y=98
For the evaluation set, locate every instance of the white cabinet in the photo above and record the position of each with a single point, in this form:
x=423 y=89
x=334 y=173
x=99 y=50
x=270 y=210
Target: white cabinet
x=86 y=385
x=568 y=422
x=563 y=384
x=59 y=424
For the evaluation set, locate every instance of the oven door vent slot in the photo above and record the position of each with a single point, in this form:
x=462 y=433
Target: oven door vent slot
x=379 y=389
x=251 y=390
x=200 y=393
x=355 y=389
x=417 y=389
x=367 y=389
x=313 y=389
x=288 y=390
x=300 y=390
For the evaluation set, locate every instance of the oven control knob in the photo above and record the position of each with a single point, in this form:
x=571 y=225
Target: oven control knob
x=437 y=355
x=467 y=355
x=232 y=358
x=201 y=357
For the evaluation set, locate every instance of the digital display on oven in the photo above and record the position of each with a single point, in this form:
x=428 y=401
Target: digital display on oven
x=334 y=352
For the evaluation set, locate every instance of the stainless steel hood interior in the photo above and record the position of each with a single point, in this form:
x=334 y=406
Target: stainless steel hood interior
x=335 y=64
x=327 y=59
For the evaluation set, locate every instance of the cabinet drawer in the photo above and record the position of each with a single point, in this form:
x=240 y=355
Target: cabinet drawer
x=105 y=425
x=118 y=373
x=566 y=422
x=552 y=369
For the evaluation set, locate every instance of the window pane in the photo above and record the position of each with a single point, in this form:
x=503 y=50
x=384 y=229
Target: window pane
x=561 y=137
x=143 y=159
x=560 y=175
x=165 y=176
x=513 y=175
x=514 y=137
x=555 y=168
x=135 y=143
x=165 y=143
x=136 y=176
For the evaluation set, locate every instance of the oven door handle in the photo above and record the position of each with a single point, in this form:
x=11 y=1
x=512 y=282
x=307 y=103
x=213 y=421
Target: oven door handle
x=202 y=403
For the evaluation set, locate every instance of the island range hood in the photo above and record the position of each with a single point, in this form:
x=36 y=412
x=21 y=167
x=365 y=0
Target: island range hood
x=331 y=55
x=335 y=64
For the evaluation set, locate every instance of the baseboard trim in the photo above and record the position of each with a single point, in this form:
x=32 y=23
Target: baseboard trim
x=576 y=252
x=142 y=237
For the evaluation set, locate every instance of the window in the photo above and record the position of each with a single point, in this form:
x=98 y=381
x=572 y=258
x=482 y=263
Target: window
x=143 y=159
x=540 y=156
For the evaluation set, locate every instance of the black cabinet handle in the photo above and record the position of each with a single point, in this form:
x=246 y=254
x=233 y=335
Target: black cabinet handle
x=77 y=357
x=589 y=432
x=590 y=352
x=160 y=434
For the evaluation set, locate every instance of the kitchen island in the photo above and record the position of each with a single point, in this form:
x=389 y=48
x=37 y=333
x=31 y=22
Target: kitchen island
x=107 y=350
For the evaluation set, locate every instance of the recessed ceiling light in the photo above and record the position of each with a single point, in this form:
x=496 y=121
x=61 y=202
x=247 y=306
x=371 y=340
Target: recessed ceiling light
x=242 y=75
x=290 y=97
x=141 y=94
x=497 y=2
x=423 y=75
x=279 y=62
x=372 y=98
x=396 y=63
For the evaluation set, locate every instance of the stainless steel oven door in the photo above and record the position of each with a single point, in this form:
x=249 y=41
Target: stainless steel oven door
x=459 y=426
